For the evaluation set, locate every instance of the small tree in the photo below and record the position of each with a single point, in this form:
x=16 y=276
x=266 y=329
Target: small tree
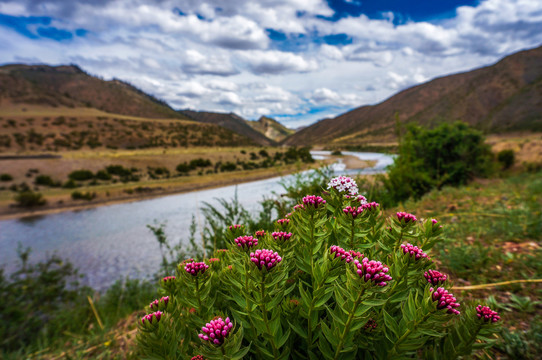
x=450 y=154
x=506 y=158
x=29 y=199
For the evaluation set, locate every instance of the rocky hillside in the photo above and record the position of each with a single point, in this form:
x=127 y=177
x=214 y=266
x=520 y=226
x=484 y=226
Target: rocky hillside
x=231 y=122
x=271 y=128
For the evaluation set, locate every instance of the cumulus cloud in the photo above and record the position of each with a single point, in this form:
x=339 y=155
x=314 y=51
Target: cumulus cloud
x=196 y=63
x=276 y=62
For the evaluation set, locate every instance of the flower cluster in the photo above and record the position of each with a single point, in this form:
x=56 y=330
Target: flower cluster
x=371 y=325
x=370 y=206
x=281 y=235
x=283 y=222
x=265 y=258
x=375 y=271
x=486 y=314
x=355 y=254
x=343 y=184
x=159 y=304
x=341 y=253
x=404 y=217
x=260 y=234
x=445 y=300
x=313 y=200
x=246 y=242
x=150 y=319
x=216 y=331
x=413 y=251
x=235 y=227
x=299 y=206
x=197 y=357
x=435 y=277
x=353 y=211
x=168 y=279
x=194 y=268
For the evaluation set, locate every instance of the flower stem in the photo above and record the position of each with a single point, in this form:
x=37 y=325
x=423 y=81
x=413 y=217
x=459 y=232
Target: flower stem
x=265 y=320
x=352 y=235
x=197 y=294
x=347 y=325
x=406 y=334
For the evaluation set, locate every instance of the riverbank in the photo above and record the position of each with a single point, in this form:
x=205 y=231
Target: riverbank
x=60 y=200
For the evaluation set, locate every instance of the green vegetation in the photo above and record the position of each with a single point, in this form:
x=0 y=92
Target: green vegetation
x=29 y=198
x=6 y=177
x=506 y=158
x=81 y=175
x=78 y=195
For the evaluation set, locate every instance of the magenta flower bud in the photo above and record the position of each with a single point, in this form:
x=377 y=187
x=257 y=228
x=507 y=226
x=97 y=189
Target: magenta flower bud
x=374 y=271
x=159 y=304
x=362 y=199
x=197 y=357
x=283 y=223
x=299 y=207
x=353 y=211
x=265 y=258
x=313 y=201
x=168 y=279
x=372 y=206
x=195 y=268
x=216 y=330
x=434 y=221
x=370 y=325
x=235 y=227
x=260 y=234
x=246 y=242
x=151 y=319
x=343 y=184
x=406 y=218
x=346 y=256
x=486 y=314
x=414 y=251
x=435 y=277
x=281 y=236
x=445 y=300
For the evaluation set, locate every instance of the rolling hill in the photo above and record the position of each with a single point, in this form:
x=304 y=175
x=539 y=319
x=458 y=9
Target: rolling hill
x=271 y=128
x=69 y=86
x=230 y=121
x=503 y=97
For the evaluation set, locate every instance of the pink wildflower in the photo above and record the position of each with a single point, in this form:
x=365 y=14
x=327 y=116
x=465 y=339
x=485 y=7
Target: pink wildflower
x=216 y=331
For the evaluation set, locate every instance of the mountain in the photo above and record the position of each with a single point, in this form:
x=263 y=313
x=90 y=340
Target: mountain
x=271 y=128
x=503 y=97
x=69 y=86
x=232 y=122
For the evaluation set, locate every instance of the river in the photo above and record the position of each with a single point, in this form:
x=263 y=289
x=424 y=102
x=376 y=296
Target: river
x=110 y=242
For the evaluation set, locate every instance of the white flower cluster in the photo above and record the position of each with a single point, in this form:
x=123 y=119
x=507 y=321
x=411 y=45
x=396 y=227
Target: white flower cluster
x=343 y=184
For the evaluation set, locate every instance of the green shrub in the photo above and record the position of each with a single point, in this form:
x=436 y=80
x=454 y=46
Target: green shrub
x=6 y=177
x=506 y=158
x=297 y=294
x=45 y=180
x=450 y=154
x=70 y=184
x=336 y=153
x=78 y=195
x=118 y=170
x=199 y=162
x=29 y=198
x=103 y=175
x=81 y=175
x=228 y=166
x=183 y=168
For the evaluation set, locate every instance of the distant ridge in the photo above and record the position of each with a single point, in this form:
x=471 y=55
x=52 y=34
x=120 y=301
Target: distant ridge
x=271 y=128
x=232 y=122
x=69 y=86
x=503 y=97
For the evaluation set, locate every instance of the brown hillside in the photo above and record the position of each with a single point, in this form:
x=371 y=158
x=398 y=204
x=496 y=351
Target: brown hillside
x=69 y=86
x=504 y=97
x=271 y=128
x=232 y=122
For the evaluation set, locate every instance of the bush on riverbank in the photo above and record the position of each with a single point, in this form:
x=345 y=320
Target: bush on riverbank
x=296 y=293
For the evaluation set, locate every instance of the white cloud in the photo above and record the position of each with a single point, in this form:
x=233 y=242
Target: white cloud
x=276 y=62
x=196 y=63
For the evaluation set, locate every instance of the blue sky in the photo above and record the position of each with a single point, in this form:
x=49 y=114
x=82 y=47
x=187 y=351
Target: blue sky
x=296 y=60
